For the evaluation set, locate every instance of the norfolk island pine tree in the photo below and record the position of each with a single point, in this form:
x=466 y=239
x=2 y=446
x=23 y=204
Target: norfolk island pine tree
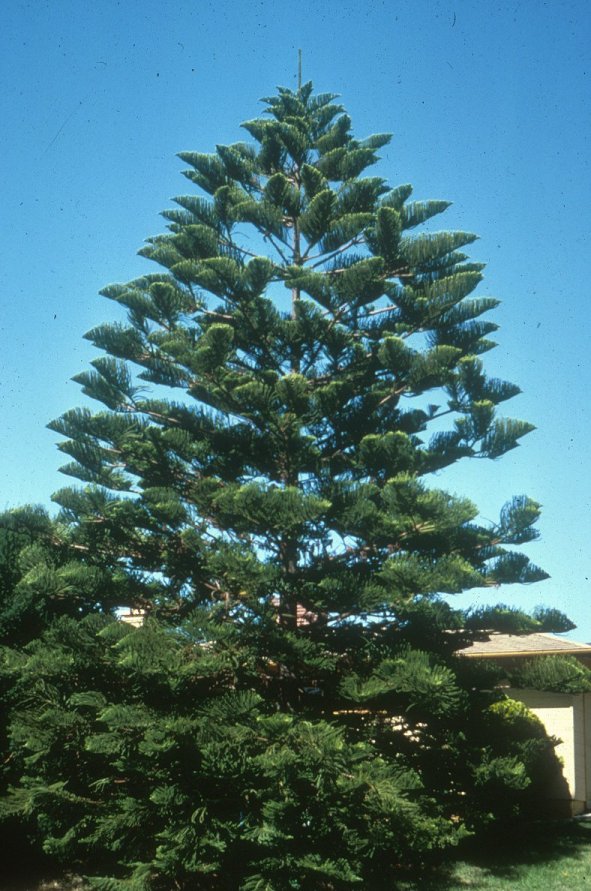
x=291 y=714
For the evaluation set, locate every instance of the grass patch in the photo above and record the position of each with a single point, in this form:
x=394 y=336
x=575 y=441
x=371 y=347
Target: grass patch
x=542 y=857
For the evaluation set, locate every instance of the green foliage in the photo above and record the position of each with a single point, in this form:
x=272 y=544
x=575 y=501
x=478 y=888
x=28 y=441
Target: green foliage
x=557 y=674
x=502 y=618
x=291 y=714
x=43 y=577
x=511 y=620
x=552 y=620
x=178 y=770
x=523 y=759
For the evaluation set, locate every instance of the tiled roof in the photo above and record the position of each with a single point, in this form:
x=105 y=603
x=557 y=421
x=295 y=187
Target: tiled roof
x=525 y=645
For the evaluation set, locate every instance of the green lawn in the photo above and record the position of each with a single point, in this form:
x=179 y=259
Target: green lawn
x=550 y=857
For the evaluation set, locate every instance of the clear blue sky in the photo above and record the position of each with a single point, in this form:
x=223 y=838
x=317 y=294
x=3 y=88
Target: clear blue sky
x=489 y=103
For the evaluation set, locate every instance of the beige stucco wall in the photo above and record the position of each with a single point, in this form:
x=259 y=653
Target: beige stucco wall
x=586 y=697
x=567 y=717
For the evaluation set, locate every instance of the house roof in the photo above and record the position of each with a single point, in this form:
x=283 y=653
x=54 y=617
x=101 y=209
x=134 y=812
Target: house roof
x=511 y=645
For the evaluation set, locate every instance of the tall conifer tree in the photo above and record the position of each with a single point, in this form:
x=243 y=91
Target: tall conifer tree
x=292 y=469
x=292 y=714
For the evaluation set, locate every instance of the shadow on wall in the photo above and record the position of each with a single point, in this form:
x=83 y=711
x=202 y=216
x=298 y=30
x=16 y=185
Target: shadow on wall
x=566 y=717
